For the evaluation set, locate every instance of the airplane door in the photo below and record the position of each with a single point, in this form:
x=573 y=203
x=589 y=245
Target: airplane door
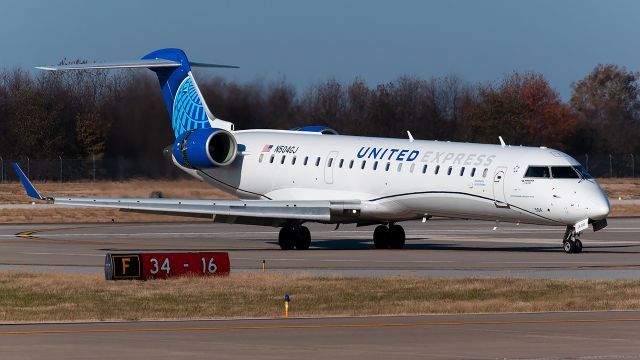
x=498 y=187
x=328 y=167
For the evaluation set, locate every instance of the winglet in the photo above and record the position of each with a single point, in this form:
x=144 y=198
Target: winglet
x=28 y=186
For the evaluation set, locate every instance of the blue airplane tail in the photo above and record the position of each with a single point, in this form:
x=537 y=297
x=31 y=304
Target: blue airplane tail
x=184 y=101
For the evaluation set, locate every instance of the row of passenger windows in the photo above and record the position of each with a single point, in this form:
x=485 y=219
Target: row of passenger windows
x=363 y=165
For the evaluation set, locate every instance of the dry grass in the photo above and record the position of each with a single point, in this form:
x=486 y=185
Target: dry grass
x=13 y=193
x=70 y=297
x=626 y=188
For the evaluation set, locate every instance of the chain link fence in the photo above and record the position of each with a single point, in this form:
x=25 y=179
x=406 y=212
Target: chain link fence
x=118 y=169
x=91 y=169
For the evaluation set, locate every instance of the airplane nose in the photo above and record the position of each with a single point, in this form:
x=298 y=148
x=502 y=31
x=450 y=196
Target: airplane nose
x=600 y=208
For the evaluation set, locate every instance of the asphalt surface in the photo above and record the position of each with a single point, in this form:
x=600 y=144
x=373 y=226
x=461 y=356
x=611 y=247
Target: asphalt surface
x=598 y=335
x=435 y=248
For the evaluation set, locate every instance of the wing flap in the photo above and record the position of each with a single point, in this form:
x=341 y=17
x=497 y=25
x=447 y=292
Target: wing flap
x=294 y=210
x=277 y=211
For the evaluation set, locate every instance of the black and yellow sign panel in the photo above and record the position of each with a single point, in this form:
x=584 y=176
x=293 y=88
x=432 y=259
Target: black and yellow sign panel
x=125 y=266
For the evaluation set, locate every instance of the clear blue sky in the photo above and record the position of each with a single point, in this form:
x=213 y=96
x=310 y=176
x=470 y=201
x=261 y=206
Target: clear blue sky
x=309 y=41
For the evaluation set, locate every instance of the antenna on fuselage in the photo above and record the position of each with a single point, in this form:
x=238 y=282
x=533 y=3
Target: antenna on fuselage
x=410 y=136
x=502 y=144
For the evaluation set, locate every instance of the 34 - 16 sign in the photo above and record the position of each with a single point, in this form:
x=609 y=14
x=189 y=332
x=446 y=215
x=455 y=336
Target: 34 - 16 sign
x=145 y=266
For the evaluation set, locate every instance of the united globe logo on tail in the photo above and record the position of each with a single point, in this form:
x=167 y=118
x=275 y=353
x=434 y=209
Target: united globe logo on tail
x=188 y=111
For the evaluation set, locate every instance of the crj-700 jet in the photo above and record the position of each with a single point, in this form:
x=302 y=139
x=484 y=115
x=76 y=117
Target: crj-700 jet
x=286 y=178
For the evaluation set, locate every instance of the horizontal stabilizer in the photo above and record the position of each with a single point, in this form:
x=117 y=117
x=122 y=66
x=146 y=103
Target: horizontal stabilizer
x=148 y=63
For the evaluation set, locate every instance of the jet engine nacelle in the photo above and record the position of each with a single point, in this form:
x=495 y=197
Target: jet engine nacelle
x=205 y=148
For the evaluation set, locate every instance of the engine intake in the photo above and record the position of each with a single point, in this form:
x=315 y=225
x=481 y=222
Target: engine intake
x=205 y=148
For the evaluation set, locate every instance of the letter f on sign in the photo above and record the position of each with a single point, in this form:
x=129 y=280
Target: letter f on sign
x=125 y=265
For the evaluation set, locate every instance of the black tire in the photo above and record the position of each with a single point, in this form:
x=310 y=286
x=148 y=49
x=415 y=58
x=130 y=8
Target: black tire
x=578 y=249
x=286 y=238
x=302 y=238
x=381 y=237
x=569 y=246
x=396 y=237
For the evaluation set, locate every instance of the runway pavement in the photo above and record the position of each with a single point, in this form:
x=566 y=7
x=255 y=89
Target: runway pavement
x=597 y=335
x=434 y=248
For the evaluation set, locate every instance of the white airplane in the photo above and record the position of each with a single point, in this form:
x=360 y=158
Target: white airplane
x=286 y=178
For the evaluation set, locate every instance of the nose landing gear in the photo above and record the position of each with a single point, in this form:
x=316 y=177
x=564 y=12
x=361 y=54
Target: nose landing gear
x=571 y=242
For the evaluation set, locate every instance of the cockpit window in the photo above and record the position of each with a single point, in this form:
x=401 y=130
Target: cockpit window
x=583 y=172
x=564 y=172
x=537 y=172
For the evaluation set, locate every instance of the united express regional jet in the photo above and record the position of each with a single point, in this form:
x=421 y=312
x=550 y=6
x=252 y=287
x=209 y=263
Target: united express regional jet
x=286 y=178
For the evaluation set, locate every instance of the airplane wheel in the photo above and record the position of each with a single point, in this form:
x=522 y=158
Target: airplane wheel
x=397 y=237
x=578 y=249
x=381 y=237
x=303 y=238
x=286 y=238
x=569 y=246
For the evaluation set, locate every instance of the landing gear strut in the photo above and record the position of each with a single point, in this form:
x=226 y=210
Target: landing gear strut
x=389 y=237
x=291 y=237
x=571 y=242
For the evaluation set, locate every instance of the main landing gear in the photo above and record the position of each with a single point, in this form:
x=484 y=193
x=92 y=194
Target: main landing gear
x=389 y=237
x=292 y=236
x=571 y=243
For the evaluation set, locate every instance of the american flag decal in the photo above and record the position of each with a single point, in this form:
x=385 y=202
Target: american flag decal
x=267 y=148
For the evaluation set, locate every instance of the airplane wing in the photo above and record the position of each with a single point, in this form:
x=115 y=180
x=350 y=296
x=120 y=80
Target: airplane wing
x=258 y=212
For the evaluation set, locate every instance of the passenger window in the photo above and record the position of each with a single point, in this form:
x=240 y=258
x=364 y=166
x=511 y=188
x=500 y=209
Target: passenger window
x=539 y=172
x=282 y=160
x=564 y=172
x=413 y=166
x=330 y=162
x=340 y=164
x=306 y=160
x=318 y=161
x=437 y=169
x=351 y=164
x=261 y=156
x=462 y=171
x=399 y=167
x=473 y=172
x=272 y=158
x=293 y=160
x=375 y=165
x=449 y=170
x=424 y=169
x=484 y=173
x=386 y=168
x=364 y=162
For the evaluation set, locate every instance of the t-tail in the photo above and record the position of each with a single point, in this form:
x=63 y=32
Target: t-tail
x=185 y=103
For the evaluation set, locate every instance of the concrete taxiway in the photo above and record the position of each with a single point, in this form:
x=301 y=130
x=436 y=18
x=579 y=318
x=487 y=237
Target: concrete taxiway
x=590 y=335
x=436 y=248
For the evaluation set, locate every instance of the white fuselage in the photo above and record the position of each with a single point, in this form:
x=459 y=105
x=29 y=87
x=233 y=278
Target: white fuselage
x=399 y=179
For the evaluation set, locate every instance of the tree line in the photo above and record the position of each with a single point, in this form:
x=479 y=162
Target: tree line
x=99 y=114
